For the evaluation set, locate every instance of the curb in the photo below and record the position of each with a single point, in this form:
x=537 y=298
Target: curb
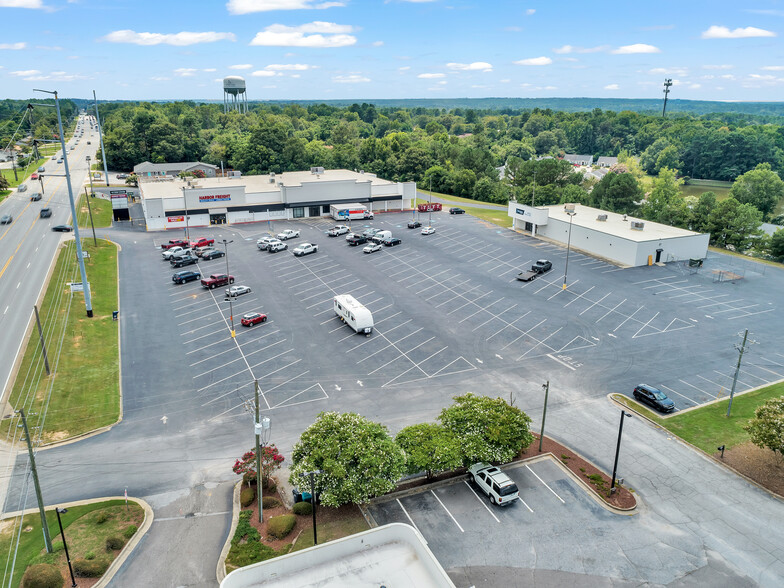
x=220 y=571
x=115 y=566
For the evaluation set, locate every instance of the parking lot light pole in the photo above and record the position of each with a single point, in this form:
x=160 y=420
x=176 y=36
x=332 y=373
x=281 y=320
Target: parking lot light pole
x=568 y=209
x=228 y=298
x=90 y=174
x=312 y=475
x=544 y=413
x=65 y=545
x=618 y=448
x=262 y=429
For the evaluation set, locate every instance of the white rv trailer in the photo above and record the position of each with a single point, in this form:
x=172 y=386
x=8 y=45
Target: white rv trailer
x=353 y=313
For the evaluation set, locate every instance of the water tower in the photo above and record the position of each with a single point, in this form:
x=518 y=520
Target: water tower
x=234 y=97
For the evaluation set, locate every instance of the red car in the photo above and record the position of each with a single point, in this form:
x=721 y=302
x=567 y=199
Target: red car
x=203 y=242
x=175 y=243
x=253 y=318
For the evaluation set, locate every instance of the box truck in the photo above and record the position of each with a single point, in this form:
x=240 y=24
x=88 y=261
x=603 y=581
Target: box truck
x=353 y=313
x=352 y=211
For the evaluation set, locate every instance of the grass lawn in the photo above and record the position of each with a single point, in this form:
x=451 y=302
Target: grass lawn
x=708 y=427
x=331 y=530
x=497 y=217
x=102 y=212
x=83 y=352
x=86 y=528
x=454 y=199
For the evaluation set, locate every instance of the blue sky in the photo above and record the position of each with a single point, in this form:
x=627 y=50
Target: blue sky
x=372 y=49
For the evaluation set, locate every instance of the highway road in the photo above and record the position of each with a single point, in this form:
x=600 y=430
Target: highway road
x=28 y=244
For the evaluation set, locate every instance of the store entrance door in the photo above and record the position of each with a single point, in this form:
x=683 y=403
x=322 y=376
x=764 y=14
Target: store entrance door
x=218 y=219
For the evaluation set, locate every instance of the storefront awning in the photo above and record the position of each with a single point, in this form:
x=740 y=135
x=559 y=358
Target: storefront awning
x=216 y=210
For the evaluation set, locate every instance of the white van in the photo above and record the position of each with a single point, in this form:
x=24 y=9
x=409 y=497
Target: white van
x=382 y=236
x=353 y=313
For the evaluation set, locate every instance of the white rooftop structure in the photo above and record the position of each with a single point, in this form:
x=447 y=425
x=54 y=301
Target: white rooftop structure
x=391 y=555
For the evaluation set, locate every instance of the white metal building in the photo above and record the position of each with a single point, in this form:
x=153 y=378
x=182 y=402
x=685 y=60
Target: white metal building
x=170 y=202
x=620 y=238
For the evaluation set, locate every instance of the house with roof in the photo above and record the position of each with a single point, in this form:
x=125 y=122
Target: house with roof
x=575 y=159
x=147 y=169
x=607 y=161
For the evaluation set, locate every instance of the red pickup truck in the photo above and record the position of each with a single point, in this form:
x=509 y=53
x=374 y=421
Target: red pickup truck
x=175 y=243
x=216 y=280
x=203 y=242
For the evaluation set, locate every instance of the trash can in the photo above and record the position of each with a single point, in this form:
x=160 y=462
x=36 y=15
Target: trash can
x=297 y=495
x=115 y=314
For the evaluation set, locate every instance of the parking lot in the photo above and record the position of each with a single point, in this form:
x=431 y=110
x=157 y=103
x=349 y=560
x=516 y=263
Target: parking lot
x=448 y=306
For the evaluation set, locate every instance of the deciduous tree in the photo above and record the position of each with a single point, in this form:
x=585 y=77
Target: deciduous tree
x=760 y=187
x=766 y=429
x=430 y=448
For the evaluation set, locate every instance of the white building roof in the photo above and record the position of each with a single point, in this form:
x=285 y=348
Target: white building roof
x=615 y=225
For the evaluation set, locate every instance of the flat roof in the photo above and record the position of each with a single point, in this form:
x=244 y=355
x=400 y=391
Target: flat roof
x=616 y=225
x=150 y=187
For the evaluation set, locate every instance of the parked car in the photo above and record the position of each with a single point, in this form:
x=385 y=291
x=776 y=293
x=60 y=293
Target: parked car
x=392 y=242
x=287 y=234
x=456 y=211
x=338 y=230
x=212 y=254
x=654 y=397
x=253 y=318
x=540 y=266
x=175 y=243
x=35 y=197
x=372 y=247
x=199 y=251
x=6 y=219
x=357 y=240
x=276 y=246
x=62 y=228
x=428 y=230
x=121 y=176
x=46 y=212
x=202 y=242
x=237 y=291
x=182 y=253
x=305 y=249
x=414 y=225
x=367 y=214
x=216 y=280
x=167 y=254
x=185 y=276
x=496 y=484
x=370 y=232
x=184 y=260
x=264 y=242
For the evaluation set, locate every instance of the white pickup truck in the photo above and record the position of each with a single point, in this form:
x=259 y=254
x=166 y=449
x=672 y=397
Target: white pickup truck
x=304 y=249
x=287 y=234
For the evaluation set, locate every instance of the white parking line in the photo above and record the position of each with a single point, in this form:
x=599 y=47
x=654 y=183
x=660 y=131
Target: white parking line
x=482 y=502
x=679 y=394
x=408 y=516
x=641 y=328
x=699 y=389
x=542 y=342
x=742 y=383
x=551 y=356
x=610 y=311
x=545 y=484
x=628 y=317
x=447 y=512
x=595 y=303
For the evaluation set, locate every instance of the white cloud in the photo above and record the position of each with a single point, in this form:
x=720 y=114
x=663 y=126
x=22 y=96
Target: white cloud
x=185 y=72
x=13 y=46
x=716 y=32
x=314 y=34
x=21 y=4
x=209 y=69
x=161 y=78
x=442 y=82
x=178 y=39
x=431 y=76
x=241 y=66
x=505 y=81
x=404 y=68
x=480 y=86
x=572 y=49
x=773 y=67
x=475 y=66
x=350 y=79
x=720 y=66
x=766 y=77
x=263 y=73
x=250 y=6
x=530 y=11
x=377 y=43
x=534 y=61
x=636 y=48
x=49 y=47
x=669 y=71
x=25 y=72
x=695 y=86
x=33 y=75
x=290 y=67
x=612 y=87
x=296 y=75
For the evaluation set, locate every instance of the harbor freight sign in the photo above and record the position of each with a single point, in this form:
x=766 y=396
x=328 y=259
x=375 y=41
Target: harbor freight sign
x=215 y=198
x=175 y=219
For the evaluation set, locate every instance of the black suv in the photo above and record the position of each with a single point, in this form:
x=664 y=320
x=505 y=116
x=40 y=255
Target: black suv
x=414 y=225
x=654 y=397
x=185 y=276
x=46 y=212
x=183 y=261
x=357 y=240
x=213 y=254
x=392 y=242
x=456 y=211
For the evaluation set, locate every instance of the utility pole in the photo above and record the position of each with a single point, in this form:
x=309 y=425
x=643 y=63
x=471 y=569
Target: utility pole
x=544 y=413
x=257 y=427
x=90 y=210
x=79 y=255
x=43 y=344
x=44 y=525
x=667 y=84
x=100 y=137
x=741 y=351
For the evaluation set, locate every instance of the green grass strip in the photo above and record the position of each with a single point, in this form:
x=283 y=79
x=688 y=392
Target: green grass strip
x=102 y=212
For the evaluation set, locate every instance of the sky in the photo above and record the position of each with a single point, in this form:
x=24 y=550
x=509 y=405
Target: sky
x=376 y=49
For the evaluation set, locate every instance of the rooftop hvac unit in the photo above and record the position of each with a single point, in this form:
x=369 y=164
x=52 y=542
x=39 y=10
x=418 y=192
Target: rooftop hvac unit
x=637 y=225
x=317 y=170
x=601 y=217
x=362 y=171
x=568 y=208
x=624 y=217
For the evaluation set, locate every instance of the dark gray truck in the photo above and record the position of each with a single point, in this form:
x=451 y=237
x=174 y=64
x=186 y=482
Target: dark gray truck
x=540 y=266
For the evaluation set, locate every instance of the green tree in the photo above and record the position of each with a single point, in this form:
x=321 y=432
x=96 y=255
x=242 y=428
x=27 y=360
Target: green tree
x=733 y=223
x=617 y=192
x=430 y=448
x=766 y=429
x=761 y=187
x=489 y=429
x=777 y=244
x=701 y=212
x=666 y=188
x=358 y=457
x=575 y=195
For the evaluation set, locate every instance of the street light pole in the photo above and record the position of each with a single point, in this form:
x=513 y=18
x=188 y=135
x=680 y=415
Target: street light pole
x=544 y=413
x=568 y=209
x=231 y=302
x=90 y=174
x=100 y=138
x=65 y=545
x=79 y=255
x=262 y=429
x=618 y=448
x=312 y=475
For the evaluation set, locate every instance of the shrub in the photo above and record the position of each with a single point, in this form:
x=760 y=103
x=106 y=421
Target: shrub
x=249 y=477
x=247 y=496
x=130 y=531
x=42 y=576
x=89 y=568
x=89 y=555
x=281 y=526
x=302 y=508
x=101 y=518
x=269 y=502
x=271 y=487
x=114 y=543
